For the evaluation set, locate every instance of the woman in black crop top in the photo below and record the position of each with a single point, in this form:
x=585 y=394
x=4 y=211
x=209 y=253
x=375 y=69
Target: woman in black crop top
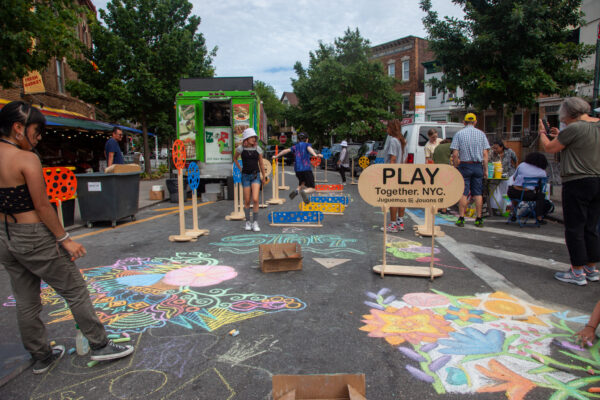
x=252 y=171
x=34 y=246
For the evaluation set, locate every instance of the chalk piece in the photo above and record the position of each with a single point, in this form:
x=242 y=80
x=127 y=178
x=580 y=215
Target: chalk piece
x=590 y=371
x=72 y=350
x=234 y=332
x=92 y=363
x=53 y=343
x=114 y=336
x=125 y=334
x=594 y=390
x=121 y=340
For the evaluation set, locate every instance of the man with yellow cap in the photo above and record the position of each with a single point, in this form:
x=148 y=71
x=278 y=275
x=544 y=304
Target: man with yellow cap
x=470 y=149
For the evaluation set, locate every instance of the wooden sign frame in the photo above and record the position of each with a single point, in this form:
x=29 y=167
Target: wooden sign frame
x=194 y=181
x=268 y=170
x=238 y=198
x=429 y=186
x=283 y=186
x=275 y=186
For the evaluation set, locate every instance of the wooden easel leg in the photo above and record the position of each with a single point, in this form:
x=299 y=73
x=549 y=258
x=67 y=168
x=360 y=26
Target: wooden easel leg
x=195 y=209
x=181 y=200
x=433 y=210
x=384 y=240
x=60 y=213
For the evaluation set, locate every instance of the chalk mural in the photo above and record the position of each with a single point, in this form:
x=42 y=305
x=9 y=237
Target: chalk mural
x=319 y=244
x=409 y=249
x=135 y=294
x=489 y=342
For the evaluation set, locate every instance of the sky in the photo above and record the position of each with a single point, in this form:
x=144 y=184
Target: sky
x=265 y=38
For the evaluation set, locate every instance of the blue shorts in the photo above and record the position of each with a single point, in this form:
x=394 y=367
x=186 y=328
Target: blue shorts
x=250 y=179
x=473 y=176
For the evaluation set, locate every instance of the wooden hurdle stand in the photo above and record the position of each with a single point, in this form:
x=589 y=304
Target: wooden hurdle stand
x=238 y=197
x=194 y=182
x=429 y=228
x=296 y=218
x=443 y=180
x=268 y=170
x=61 y=185
x=275 y=186
x=283 y=185
x=329 y=188
x=342 y=199
x=179 y=157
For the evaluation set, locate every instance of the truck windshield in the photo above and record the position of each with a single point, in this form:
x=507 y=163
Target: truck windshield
x=217 y=113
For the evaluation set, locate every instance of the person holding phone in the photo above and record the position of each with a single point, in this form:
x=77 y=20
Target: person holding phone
x=579 y=147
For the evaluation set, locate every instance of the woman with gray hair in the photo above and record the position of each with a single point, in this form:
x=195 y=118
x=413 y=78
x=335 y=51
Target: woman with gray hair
x=579 y=147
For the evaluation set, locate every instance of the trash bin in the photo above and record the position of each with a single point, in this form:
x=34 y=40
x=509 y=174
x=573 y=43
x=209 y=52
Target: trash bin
x=108 y=197
x=173 y=193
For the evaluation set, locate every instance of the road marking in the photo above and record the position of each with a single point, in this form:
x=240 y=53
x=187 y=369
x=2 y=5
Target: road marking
x=133 y=222
x=531 y=236
x=509 y=255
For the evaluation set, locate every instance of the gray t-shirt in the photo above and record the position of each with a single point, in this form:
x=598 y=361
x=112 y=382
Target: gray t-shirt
x=581 y=156
x=394 y=149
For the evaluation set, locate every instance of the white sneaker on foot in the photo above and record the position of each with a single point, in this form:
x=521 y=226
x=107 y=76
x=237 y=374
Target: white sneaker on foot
x=248 y=225
x=255 y=226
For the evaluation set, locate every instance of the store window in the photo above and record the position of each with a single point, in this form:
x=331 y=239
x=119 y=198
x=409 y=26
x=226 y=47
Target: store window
x=405 y=70
x=392 y=69
x=60 y=76
x=406 y=103
x=533 y=123
x=517 y=125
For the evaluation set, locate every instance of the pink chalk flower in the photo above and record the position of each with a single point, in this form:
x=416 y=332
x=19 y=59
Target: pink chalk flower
x=199 y=275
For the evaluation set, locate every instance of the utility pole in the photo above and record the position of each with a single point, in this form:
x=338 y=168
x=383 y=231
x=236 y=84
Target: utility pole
x=596 y=73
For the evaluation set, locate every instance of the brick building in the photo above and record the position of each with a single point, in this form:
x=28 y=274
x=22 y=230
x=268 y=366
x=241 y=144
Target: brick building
x=403 y=59
x=54 y=78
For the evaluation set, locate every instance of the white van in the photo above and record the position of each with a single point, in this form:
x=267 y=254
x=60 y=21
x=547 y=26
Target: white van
x=416 y=137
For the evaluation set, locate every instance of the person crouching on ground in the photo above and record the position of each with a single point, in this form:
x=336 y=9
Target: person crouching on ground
x=579 y=147
x=534 y=166
x=306 y=180
x=34 y=246
x=252 y=171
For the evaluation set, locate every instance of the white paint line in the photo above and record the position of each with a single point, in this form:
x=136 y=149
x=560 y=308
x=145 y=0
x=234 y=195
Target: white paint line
x=509 y=255
x=486 y=273
x=531 y=236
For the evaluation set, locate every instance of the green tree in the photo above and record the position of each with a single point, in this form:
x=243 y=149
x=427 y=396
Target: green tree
x=140 y=55
x=273 y=107
x=342 y=92
x=504 y=54
x=51 y=23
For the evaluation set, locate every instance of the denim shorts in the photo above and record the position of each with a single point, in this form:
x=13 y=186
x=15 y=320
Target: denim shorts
x=473 y=176
x=250 y=179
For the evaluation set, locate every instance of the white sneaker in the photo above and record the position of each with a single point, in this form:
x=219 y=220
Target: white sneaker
x=248 y=225
x=255 y=226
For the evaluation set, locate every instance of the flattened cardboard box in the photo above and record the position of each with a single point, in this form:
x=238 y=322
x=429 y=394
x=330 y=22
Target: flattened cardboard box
x=157 y=195
x=319 y=387
x=280 y=257
x=123 y=168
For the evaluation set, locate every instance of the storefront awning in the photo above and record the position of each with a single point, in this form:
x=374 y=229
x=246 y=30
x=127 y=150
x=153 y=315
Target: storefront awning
x=133 y=130
x=78 y=123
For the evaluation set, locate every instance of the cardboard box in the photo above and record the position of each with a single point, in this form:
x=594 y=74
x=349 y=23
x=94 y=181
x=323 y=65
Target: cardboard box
x=319 y=387
x=122 y=168
x=157 y=195
x=280 y=257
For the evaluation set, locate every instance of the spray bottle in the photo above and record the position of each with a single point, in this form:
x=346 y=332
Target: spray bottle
x=81 y=343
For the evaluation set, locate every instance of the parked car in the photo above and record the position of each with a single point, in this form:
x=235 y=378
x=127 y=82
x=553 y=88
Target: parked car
x=270 y=152
x=353 y=148
x=372 y=147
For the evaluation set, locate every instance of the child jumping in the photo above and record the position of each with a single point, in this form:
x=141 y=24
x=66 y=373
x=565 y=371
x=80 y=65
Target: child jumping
x=306 y=180
x=252 y=174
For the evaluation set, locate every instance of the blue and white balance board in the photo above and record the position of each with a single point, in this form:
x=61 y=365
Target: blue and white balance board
x=345 y=200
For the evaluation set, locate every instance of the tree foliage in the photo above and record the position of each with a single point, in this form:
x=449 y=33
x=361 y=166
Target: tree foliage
x=342 y=92
x=273 y=107
x=134 y=67
x=51 y=23
x=507 y=53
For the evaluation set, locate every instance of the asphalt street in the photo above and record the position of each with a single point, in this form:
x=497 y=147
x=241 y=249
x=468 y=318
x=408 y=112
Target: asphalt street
x=468 y=334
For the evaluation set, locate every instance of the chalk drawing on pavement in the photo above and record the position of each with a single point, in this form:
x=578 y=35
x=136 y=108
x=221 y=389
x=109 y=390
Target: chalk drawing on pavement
x=482 y=343
x=135 y=294
x=319 y=244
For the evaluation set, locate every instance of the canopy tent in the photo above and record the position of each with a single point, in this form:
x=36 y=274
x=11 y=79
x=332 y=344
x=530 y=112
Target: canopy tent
x=89 y=125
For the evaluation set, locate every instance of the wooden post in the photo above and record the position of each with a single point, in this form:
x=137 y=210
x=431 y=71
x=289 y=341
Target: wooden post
x=275 y=186
x=384 y=240
x=353 y=181
x=195 y=231
x=182 y=237
x=59 y=212
x=283 y=186
x=433 y=209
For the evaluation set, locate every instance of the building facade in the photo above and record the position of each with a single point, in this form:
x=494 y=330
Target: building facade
x=440 y=105
x=403 y=60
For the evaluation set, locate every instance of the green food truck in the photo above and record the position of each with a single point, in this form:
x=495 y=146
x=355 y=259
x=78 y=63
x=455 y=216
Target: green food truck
x=212 y=113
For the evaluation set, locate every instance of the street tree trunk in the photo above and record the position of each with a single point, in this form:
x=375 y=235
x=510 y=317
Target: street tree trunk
x=147 y=161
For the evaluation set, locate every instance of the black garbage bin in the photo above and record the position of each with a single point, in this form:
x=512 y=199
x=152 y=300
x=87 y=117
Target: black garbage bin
x=108 y=197
x=173 y=193
x=68 y=211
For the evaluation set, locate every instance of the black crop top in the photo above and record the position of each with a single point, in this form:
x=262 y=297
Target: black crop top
x=15 y=200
